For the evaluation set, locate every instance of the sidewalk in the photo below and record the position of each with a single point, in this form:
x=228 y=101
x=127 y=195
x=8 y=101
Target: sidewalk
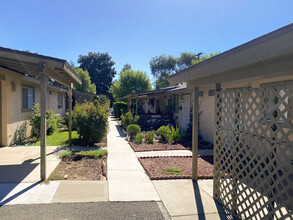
x=127 y=179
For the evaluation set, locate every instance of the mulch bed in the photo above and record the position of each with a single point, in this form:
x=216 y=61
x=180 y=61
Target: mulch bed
x=77 y=167
x=155 y=167
x=158 y=147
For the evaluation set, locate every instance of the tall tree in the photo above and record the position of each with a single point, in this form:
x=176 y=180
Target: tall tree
x=164 y=66
x=86 y=85
x=100 y=68
x=185 y=60
x=126 y=67
x=130 y=81
x=161 y=68
x=203 y=58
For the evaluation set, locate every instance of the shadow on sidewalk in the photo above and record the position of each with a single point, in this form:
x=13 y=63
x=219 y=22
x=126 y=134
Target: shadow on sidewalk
x=223 y=213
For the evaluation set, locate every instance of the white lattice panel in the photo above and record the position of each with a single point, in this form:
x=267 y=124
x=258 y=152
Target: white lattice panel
x=253 y=167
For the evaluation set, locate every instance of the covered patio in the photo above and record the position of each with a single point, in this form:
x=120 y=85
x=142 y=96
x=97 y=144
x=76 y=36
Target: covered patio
x=253 y=120
x=43 y=68
x=161 y=107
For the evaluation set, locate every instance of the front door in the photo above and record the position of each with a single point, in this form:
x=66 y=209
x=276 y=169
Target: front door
x=185 y=111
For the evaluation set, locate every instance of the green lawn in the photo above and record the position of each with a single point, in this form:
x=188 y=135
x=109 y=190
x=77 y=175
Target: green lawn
x=59 y=138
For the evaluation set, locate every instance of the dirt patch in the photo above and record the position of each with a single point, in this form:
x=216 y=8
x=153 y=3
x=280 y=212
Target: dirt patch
x=157 y=147
x=77 y=167
x=156 y=167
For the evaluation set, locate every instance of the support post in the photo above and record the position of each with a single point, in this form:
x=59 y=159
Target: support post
x=70 y=114
x=216 y=182
x=195 y=133
x=136 y=107
x=43 y=131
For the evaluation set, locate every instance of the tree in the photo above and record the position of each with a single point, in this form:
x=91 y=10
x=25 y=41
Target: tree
x=100 y=68
x=162 y=67
x=126 y=67
x=203 y=58
x=130 y=81
x=87 y=85
x=185 y=60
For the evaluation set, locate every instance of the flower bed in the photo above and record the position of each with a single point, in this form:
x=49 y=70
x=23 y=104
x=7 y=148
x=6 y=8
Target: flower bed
x=157 y=167
x=157 y=147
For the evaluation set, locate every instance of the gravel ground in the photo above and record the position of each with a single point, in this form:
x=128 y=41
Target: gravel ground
x=156 y=166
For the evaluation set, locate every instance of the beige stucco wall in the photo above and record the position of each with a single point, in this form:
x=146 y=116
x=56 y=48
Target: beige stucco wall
x=207 y=105
x=17 y=119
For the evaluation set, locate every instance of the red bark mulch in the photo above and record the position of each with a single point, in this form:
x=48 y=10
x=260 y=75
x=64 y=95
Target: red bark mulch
x=157 y=147
x=156 y=166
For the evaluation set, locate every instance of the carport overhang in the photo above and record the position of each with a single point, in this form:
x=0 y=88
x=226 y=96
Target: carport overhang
x=267 y=57
x=44 y=67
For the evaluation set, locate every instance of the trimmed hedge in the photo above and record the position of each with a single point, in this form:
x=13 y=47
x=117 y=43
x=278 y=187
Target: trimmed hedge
x=119 y=108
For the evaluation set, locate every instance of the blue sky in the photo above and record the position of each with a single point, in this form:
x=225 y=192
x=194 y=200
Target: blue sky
x=134 y=31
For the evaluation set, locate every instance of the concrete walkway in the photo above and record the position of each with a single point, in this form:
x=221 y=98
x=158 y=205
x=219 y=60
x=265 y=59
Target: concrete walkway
x=127 y=179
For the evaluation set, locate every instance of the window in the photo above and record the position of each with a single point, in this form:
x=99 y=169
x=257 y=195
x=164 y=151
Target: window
x=200 y=94
x=176 y=103
x=28 y=97
x=60 y=100
x=212 y=92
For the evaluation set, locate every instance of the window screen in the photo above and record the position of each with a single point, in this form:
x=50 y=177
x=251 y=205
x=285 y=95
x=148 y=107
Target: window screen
x=60 y=100
x=27 y=97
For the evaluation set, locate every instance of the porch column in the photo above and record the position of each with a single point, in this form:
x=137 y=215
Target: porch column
x=43 y=131
x=136 y=107
x=195 y=133
x=70 y=114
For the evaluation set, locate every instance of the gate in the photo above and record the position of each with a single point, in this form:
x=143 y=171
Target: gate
x=253 y=152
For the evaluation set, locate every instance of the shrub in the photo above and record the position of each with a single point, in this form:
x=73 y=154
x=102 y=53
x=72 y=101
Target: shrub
x=35 y=121
x=119 y=108
x=139 y=138
x=165 y=134
x=176 y=134
x=91 y=121
x=60 y=121
x=51 y=120
x=149 y=138
x=64 y=154
x=133 y=130
x=128 y=119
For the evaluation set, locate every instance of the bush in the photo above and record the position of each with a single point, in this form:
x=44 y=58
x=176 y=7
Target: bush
x=91 y=121
x=119 y=108
x=176 y=134
x=149 y=138
x=64 y=154
x=35 y=121
x=165 y=134
x=133 y=130
x=60 y=121
x=139 y=138
x=128 y=119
